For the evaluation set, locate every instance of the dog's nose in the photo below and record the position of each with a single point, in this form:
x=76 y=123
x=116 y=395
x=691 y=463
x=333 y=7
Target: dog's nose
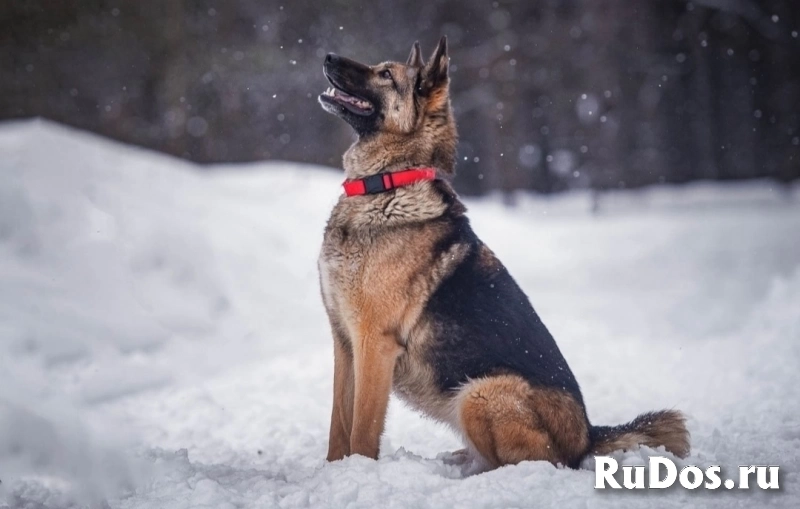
x=331 y=58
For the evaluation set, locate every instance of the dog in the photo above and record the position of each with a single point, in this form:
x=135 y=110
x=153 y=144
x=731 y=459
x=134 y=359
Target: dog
x=420 y=306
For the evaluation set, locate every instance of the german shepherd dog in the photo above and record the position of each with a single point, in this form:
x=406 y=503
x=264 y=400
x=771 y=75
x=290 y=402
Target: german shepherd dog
x=419 y=305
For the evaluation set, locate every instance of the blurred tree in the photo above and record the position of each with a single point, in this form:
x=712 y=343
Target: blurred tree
x=549 y=94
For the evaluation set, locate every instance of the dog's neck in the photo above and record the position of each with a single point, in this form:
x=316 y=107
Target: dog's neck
x=433 y=146
x=416 y=203
x=381 y=153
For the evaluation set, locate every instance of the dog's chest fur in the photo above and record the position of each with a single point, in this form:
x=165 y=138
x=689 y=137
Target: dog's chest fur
x=381 y=259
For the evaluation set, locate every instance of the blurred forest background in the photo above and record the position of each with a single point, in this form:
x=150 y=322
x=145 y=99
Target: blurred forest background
x=549 y=94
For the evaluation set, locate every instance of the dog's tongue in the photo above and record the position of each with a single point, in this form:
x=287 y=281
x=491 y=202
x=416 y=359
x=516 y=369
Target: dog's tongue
x=350 y=99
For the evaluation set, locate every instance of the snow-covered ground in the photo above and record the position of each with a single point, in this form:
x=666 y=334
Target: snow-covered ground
x=163 y=343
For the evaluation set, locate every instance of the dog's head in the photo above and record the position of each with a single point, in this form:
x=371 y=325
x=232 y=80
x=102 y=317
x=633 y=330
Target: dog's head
x=391 y=97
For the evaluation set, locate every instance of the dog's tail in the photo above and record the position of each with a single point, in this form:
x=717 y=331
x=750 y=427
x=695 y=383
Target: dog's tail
x=653 y=429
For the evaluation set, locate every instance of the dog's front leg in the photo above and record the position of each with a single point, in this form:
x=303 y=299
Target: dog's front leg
x=374 y=357
x=342 y=414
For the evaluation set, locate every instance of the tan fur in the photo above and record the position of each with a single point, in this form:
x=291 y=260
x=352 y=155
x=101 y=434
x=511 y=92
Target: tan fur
x=375 y=350
x=489 y=259
x=343 y=390
x=509 y=421
x=379 y=308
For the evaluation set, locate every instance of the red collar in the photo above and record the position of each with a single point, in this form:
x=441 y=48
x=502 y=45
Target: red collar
x=382 y=182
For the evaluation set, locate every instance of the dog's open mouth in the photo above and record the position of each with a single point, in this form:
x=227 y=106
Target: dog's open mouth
x=351 y=103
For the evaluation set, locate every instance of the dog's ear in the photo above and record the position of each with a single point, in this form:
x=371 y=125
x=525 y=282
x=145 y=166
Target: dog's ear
x=435 y=72
x=415 y=58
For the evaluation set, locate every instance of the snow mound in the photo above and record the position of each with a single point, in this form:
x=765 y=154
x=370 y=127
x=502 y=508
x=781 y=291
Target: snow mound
x=163 y=343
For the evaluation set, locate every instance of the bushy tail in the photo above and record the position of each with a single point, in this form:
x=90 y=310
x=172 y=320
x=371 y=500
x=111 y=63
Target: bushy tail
x=653 y=429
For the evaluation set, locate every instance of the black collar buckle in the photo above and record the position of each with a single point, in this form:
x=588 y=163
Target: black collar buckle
x=375 y=184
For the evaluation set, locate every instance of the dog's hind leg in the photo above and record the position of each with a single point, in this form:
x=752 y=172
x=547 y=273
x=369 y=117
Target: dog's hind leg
x=506 y=421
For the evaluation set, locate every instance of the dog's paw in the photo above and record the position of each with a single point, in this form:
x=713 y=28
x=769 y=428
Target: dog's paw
x=459 y=457
x=466 y=461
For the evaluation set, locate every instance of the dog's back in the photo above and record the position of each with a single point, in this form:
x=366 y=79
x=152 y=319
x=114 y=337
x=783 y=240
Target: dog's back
x=486 y=325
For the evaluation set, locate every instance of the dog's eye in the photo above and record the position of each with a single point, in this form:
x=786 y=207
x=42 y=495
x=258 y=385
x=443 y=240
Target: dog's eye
x=385 y=75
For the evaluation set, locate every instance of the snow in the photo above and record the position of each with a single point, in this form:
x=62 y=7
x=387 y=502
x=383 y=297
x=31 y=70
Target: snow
x=163 y=343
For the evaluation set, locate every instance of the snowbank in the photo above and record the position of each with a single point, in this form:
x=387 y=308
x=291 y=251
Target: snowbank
x=163 y=344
